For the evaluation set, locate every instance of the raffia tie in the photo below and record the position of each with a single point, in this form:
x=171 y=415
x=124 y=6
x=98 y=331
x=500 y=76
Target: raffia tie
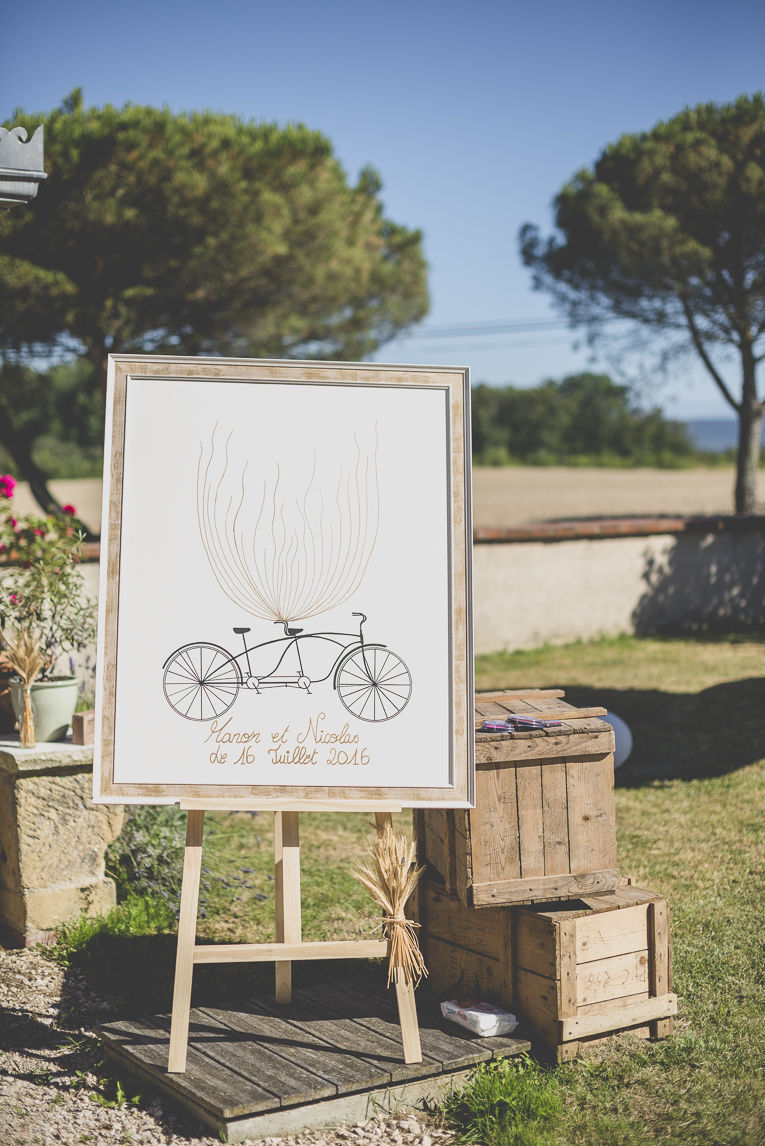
x=404 y=949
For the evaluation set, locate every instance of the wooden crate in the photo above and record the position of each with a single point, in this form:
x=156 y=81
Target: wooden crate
x=585 y=970
x=468 y=953
x=543 y=827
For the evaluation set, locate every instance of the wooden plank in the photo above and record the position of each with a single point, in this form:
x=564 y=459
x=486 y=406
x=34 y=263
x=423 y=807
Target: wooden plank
x=555 y=818
x=567 y=995
x=591 y=813
x=612 y=978
x=447 y=918
x=536 y=947
x=335 y=1002
x=299 y=1045
x=187 y=925
x=213 y=1086
x=540 y=712
x=434 y=827
x=450 y=875
x=530 y=831
x=658 y=973
x=627 y=1015
x=494 y=826
x=537 y=996
x=612 y=933
x=343 y=1033
x=606 y=1006
x=544 y=887
x=463 y=854
x=456 y=971
x=246 y=804
x=377 y=1011
x=520 y=693
x=407 y=1015
x=266 y=952
x=243 y=1055
x=542 y=745
x=383 y=820
x=286 y=895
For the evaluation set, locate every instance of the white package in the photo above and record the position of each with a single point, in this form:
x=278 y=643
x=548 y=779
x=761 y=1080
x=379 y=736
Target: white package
x=480 y=1018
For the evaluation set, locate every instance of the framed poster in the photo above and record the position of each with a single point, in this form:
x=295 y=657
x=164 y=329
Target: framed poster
x=285 y=596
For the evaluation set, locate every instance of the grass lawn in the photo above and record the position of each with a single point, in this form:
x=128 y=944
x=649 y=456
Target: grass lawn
x=691 y=824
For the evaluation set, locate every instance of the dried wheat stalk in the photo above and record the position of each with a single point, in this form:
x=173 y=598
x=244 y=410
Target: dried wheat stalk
x=26 y=659
x=390 y=884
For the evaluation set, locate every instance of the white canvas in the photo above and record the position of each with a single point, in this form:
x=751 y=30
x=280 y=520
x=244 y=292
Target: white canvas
x=288 y=506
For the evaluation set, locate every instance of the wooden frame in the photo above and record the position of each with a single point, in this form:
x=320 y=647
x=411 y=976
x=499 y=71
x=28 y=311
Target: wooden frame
x=454 y=383
x=288 y=946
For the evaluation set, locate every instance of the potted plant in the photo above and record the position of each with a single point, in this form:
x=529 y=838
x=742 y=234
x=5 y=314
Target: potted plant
x=44 y=615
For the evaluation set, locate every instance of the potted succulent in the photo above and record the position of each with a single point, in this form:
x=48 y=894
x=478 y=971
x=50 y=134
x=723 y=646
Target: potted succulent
x=44 y=614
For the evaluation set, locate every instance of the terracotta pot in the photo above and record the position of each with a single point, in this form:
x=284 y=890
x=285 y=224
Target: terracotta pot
x=53 y=705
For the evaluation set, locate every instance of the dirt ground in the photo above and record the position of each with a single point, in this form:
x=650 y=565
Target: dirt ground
x=518 y=495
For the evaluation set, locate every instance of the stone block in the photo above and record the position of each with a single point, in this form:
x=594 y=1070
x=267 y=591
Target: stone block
x=53 y=839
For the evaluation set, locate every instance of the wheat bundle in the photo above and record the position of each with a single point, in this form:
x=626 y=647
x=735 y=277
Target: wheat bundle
x=390 y=884
x=26 y=659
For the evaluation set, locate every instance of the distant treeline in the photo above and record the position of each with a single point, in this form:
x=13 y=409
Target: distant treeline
x=585 y=420
x=56 y=417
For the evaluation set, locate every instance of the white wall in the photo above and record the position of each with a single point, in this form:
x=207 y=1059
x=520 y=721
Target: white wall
x=530 y=593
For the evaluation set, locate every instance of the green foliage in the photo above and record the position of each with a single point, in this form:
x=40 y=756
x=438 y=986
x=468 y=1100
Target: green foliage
x=668 y=230
x=201 y=233
x=506 y=1103
x=584 y=420
x=146 y=860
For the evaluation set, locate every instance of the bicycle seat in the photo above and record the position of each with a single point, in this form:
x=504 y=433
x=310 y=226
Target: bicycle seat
x=240 y=631
x=293 y=632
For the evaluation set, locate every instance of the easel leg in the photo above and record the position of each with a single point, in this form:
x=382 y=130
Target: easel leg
x=407 y=1008
x=381 y=819
x=184 y=960
x=287 y=892
x=407 y=1016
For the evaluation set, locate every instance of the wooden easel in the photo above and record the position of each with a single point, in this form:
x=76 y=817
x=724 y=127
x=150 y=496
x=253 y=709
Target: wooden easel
x=289 y=945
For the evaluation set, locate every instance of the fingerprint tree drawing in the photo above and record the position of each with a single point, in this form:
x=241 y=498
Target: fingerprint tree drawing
x=285 y=552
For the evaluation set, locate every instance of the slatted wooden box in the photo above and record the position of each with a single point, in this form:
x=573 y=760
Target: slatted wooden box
x=468 y=953
x=585 y=970
x=543 y=827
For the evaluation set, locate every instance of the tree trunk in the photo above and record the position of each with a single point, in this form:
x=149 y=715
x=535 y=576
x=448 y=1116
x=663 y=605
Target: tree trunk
x=749 y=436
x=18 y=448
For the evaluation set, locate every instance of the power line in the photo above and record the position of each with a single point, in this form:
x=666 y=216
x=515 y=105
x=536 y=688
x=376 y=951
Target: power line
x=499 y=326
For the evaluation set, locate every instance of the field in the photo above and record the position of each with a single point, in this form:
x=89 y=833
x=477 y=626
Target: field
x=517 y=495
x=691 y=824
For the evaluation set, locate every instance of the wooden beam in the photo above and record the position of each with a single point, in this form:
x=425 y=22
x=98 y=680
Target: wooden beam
x=628 y=1015
x=544 y=887
x=184 y=959
x=407 y=1016
x=265 y=952
x=521 y=693
x=287 y=894
x=235 y=804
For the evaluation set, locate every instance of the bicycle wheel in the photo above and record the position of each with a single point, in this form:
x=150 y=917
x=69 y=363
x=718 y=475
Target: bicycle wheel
x=374 y=684
x=201 y=681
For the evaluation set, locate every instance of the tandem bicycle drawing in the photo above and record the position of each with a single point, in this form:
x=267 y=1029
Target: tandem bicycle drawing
x=202 y=680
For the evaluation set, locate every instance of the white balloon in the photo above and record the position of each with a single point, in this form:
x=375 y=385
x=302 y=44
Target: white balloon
x=623 y=738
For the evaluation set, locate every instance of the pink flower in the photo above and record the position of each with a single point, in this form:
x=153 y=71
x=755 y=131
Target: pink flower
x=39 y=532
x=69 y=509
x=7 y=485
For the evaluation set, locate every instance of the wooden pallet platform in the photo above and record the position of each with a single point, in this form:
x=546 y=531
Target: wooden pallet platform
x=257 y=1069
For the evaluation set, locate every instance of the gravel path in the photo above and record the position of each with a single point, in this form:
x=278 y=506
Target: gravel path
x=56 y=1087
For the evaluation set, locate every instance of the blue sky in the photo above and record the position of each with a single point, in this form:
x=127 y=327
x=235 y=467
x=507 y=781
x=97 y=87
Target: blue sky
x=474 y=113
